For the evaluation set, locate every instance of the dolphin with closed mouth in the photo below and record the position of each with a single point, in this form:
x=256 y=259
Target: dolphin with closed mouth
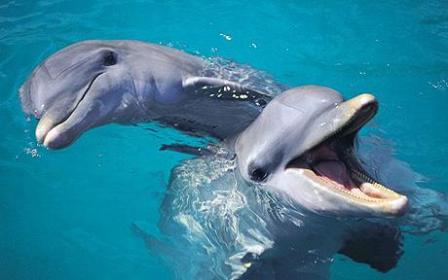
x=92 y=83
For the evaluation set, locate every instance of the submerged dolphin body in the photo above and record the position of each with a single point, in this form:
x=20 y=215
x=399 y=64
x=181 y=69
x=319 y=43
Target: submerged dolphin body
x=281 y=198
x=93 y=83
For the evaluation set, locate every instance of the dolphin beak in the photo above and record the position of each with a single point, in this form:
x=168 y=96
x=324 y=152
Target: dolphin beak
x=43 y=127
x=65 y=120
x=52 y=119
x=109 y=97
x=49 y=132
x=360 y=101
x=358 y=111
x=345 y=118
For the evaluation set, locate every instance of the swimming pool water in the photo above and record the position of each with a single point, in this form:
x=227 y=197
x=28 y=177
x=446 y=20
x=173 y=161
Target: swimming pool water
x=68 y=214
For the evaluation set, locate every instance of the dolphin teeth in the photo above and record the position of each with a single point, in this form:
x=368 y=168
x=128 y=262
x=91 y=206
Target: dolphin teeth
x=372 y=187
x=370 y=190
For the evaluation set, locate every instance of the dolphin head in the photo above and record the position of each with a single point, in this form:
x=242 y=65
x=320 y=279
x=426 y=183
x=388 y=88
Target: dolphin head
x=82 y=86
x=302 y=146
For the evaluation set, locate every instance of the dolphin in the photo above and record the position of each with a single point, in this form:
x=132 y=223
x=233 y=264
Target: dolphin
x=92 y=83
x=281 y=198
x=302 y=145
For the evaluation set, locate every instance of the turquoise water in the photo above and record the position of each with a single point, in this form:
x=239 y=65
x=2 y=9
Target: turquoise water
x=68 y=214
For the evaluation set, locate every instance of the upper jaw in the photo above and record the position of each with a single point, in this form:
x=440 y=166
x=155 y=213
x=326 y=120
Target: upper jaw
x=345 y=118
x=331 y=166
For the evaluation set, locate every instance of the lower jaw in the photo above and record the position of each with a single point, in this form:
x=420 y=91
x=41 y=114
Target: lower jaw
x=367 y=193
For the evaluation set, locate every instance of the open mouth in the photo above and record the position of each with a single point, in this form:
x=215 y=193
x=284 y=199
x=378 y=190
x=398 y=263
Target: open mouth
x=340 y=171
x=333 y=165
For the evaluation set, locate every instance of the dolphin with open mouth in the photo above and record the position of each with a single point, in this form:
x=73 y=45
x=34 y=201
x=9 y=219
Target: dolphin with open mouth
x=281 y=198
x=302 y=145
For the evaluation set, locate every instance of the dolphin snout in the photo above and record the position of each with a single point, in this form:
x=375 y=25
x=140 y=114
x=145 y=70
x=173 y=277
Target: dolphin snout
x=52 y=135
x=43 y=127
x=363 y=103
x=55 y=139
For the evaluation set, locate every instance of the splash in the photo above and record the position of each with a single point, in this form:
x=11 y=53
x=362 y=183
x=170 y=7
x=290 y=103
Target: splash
x=244 y=74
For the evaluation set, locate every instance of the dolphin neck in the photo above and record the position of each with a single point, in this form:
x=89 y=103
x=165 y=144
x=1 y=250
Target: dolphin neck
x=303 y=246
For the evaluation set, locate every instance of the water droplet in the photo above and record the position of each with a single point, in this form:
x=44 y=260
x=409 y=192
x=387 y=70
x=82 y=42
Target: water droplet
x=226 y=36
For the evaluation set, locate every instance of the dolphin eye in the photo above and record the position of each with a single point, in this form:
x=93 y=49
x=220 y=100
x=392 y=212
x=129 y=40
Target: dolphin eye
x=109 y=59
x=258 y=174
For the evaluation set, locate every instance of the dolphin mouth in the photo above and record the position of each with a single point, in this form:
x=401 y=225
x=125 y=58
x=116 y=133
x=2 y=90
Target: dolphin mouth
x=48 y=125
x=332 y=165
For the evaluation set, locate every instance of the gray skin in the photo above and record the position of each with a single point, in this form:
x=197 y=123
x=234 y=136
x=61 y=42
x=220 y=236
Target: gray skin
x=92 y=83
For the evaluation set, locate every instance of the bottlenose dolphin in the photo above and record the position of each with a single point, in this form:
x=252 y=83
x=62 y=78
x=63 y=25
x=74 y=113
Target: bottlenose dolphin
x=92 y=83
x=302 y=145
x=281 y=198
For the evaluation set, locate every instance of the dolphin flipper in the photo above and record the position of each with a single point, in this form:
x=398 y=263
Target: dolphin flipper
x=225 y=90
x=213 y=107
x=379 y=246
